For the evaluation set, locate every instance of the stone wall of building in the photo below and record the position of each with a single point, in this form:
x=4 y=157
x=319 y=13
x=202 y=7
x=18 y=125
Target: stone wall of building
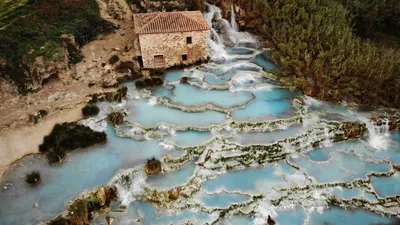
x=172 y=46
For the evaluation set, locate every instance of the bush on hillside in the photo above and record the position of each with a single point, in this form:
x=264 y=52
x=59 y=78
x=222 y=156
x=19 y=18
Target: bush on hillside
x=113 y=59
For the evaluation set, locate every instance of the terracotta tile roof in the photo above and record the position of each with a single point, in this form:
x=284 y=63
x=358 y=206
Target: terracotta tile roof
x=169 y=22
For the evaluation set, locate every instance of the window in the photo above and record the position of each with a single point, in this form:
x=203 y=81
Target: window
x=184 y=57
x=158 y=61
x=188 y=40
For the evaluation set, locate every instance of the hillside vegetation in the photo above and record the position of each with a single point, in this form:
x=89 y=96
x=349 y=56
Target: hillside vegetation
x=333 y=49
x=32 y=28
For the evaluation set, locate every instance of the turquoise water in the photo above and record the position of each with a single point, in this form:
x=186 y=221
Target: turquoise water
x=336 y=216
x=260 y=110
x=345 y=193
x=171 y=179
x=343 y=166
x=264 y=63
x=142 y=112
x=387 y=186
x=189 y=95
x=222 y=200
x=256 y=180
x=190 y=138
x=292 y=217
x=85 y=169
x=213 y=80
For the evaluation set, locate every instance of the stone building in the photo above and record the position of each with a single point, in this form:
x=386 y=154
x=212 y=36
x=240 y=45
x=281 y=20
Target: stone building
x=168 y=39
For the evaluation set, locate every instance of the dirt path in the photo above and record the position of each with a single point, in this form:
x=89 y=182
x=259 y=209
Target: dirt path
x=64 y=100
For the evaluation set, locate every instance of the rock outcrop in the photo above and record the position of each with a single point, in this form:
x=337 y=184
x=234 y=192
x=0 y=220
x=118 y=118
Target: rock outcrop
x=354 y=129
x=82 y=210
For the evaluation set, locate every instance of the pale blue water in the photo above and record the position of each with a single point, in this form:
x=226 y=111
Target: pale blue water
x=336 y=216
x=190 y=138
x=260 y=110
x=291 y=217
x=189 y=95
x=264 y=63
x=172 y=179
x=144 y=113
x=344 y=166
x=174 y=75
x=345 y=193
x=387 y=186
x=212 y=79
x=222 y=200
x=84 y=169
x=257 y=180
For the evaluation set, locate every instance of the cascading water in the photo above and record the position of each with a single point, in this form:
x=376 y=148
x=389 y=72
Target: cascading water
x=224 y=33
x=378 y=134
x=233 y=19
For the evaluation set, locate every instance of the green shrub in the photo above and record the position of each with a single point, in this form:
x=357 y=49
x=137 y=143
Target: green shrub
x=35 y=118
x=184 y=80
x=140 y=84
x=90 y=110
x=158 y=81
x=68 y=137
x=314 y=44
x=33 y=178
x=116 y=118
x=153 y=164
x=113 y=59
x=148 y=82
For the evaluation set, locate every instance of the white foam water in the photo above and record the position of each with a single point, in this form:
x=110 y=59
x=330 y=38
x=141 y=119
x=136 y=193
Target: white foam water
x=128 y=191
x=378 y=135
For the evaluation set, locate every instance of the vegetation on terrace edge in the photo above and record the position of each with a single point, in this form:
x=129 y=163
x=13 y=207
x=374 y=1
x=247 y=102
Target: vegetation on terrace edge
x=333 y=49
x=32 y=28
x=83 y=209
x=152 y=166
x=67 y=137
x=116 y=118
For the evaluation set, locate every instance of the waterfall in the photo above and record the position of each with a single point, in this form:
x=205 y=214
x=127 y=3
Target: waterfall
x=233 y=19
x=224 y=33
x=130 y=184
x=378 y=134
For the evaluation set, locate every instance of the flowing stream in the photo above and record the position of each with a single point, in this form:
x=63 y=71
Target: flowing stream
x=240 y=146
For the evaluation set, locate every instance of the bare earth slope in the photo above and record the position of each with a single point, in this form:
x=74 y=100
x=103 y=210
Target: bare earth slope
x=63 y=99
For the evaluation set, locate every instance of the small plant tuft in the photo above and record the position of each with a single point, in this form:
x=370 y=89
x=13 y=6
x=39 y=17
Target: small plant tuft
x=33 y=178
x=153 y=166
x=116 y=117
